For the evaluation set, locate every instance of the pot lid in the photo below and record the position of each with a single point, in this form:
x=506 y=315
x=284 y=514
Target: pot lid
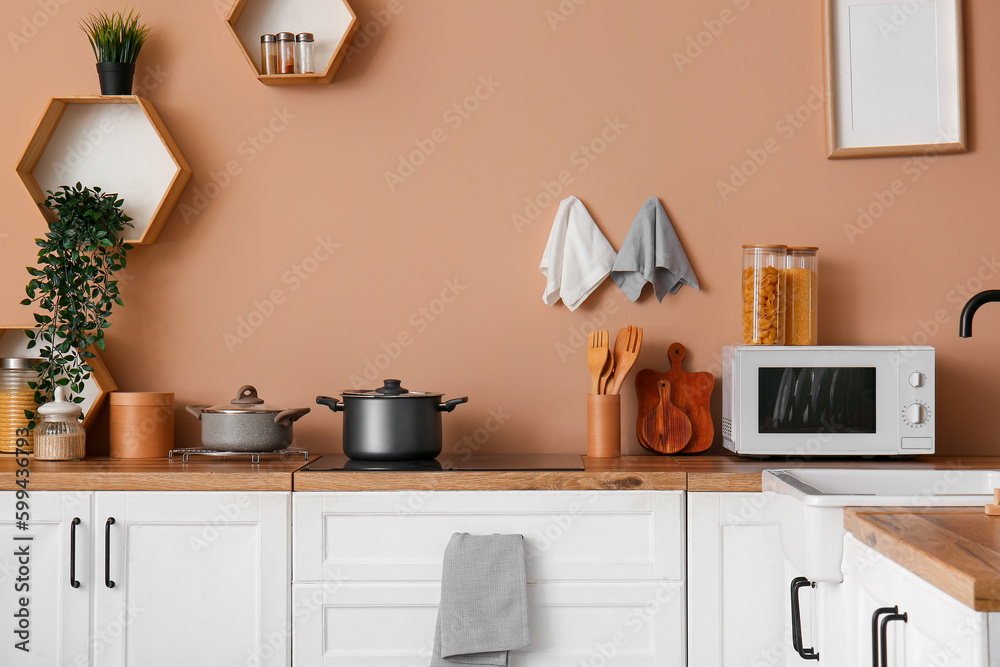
x=246 y=401
x=59 y=406
x=391 y=389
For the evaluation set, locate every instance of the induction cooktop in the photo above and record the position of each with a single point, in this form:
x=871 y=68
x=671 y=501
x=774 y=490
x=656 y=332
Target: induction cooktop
x=445 y=463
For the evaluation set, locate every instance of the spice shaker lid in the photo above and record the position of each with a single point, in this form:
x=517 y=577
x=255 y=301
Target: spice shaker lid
x=19 y=363
x=268 y=38
x=304 y=37
x=60 y=407
x=285 y=37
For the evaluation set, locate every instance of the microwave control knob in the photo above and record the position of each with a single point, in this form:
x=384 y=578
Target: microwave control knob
x=916 y=379
x=916 y=413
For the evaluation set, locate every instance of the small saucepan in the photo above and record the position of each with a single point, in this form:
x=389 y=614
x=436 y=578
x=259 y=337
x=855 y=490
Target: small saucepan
x=246 y=424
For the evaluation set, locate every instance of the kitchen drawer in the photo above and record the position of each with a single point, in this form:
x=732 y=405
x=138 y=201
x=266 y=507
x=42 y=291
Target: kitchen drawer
x=635 y=624
x=569 y=535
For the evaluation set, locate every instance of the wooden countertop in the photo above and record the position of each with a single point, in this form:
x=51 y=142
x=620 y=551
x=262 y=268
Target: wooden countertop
x=956 y=549
x=198 y=474
x=625 y=473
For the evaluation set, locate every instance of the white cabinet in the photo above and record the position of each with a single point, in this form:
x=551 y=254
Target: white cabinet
x=57 y=629
x=605 y=574
x=939 y=631
x=166 y=579
x=739 y=602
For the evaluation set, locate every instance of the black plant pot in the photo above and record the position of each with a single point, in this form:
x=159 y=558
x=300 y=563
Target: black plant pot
x=116 y=78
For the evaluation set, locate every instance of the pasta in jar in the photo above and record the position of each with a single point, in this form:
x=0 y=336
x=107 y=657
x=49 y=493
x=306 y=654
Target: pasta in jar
x=763 y=291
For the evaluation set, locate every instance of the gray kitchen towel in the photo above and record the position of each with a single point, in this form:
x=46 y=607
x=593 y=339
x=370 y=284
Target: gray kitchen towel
x=484 y=607
x=652 y=253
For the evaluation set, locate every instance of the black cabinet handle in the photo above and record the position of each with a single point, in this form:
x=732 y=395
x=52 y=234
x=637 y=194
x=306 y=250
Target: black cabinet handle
x=72 y=552
x=884 y=631
x=107 y=552
x=875 y=619
x=805 y=653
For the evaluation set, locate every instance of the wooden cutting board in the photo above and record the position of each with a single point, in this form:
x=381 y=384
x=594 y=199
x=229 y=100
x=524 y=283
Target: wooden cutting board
x=691 y=392
x=665 y=429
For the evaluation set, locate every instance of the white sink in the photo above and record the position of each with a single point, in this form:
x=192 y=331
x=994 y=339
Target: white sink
x=811 y=505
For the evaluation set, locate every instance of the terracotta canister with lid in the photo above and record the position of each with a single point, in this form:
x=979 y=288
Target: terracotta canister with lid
x=142 y=424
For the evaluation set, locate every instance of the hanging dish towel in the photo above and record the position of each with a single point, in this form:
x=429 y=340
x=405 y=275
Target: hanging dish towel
x=484 y=606
x=577 y=257
x=652 y=253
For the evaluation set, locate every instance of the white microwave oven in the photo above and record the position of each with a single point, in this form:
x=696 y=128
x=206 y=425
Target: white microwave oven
x=863 y=400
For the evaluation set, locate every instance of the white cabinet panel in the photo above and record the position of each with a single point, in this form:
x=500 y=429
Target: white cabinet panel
x=200 y=579
x=618 y=535
x=392 y=624
x=58 y=614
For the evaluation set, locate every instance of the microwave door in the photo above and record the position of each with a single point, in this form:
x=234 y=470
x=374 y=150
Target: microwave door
x=817 y=406
x=803 y=389
x=781 y=403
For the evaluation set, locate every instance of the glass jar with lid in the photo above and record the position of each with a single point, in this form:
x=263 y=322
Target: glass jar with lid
x=60 y=435
x=763 y=291
x=16 y=397
x=801 y=295
x=304 y=53
x=268 y=54
x=286 y=53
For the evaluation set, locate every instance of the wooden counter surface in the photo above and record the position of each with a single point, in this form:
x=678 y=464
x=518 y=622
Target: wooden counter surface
x=625 y=473
x=956 y=549
x=198 y=474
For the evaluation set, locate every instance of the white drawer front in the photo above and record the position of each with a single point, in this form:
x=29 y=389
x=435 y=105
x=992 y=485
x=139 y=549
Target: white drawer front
x=638 y=624
x=401 y=536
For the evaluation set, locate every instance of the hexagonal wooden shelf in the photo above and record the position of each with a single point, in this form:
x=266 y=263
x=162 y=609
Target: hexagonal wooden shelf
x=13 y=343
x=332 y=22
x=117 y=143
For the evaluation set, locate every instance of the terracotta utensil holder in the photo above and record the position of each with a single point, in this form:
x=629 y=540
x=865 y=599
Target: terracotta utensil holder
x=604 y=426
x=142 y=424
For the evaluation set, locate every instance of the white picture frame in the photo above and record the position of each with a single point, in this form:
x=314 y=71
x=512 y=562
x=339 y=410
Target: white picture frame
x=895 y=78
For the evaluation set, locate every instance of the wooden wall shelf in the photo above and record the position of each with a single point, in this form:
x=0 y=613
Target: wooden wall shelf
x=117 y=143
x=332 y=22
x=13 y=343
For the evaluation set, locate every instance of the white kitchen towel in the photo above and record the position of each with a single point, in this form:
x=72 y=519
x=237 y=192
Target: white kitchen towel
x=483 y=613
x=577 y=257
x=652 y=253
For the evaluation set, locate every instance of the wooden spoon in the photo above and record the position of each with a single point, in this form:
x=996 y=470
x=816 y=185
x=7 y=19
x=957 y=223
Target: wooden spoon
x=665 y=428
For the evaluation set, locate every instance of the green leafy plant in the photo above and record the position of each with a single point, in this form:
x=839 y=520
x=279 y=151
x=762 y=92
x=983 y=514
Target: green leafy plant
x=73 y=283
x=116 y=37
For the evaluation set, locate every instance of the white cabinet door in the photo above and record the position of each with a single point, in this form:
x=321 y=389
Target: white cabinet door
x=193 y=579
x=38 y=570
x=739 y=611
x=939 y=630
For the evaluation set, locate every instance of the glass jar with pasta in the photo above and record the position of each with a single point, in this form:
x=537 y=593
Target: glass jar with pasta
x=763 y=292
x=801 y=295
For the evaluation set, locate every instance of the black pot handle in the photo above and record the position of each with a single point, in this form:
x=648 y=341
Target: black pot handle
x=805 y=653
x=875 y=619
x=331 y=403
x=448 y=406
x=884 y=631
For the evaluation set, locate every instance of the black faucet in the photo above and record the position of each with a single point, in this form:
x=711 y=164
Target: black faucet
x=971 y=306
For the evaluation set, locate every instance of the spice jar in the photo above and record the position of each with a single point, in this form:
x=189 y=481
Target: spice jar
x=60 y=436
x=801 y=295
x=763 y=292
x=304 y=53
x=142 y=424
x=286 y=53
x=16 y=397
x=268 y=54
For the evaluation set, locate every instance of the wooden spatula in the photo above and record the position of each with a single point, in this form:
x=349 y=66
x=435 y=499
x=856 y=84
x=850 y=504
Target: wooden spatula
x=597 y=357
x=665 y=429
x=624 y=363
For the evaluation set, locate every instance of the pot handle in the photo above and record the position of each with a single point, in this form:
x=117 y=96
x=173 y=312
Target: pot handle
x=196 y=410
x=331 y=403
x=448 y=406
x=287 y=417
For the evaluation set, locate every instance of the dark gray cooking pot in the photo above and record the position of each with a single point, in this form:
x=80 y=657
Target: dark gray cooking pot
x=391 y=423
x=246 y=424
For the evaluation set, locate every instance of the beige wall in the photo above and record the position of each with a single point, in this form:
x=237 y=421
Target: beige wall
x=448 y=226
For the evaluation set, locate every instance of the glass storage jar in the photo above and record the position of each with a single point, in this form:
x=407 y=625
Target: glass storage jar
x=763 y=291
x=268 y=54
x=60 y=435
x=286 y=53
x=801 y=295
x=304 y=53
x=16 y=397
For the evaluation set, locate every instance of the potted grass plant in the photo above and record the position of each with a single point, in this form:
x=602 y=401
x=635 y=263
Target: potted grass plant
x=116 y=39
x=74 y=285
